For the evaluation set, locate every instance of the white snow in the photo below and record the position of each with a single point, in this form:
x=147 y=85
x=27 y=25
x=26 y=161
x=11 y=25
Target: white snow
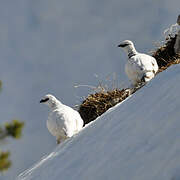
x=138 y=139
x=63 y=121
x=139 y=67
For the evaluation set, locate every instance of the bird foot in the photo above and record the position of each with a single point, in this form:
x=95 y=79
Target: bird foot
x=143 y=79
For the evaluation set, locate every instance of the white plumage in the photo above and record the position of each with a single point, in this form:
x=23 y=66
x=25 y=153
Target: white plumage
x=139 y=67
x=63 y=121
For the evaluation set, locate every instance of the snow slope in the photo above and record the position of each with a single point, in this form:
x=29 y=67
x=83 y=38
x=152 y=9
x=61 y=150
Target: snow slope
x=138 y=139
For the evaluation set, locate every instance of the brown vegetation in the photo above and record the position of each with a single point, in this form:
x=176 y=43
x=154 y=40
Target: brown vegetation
x=165 y=55
x=96 y=104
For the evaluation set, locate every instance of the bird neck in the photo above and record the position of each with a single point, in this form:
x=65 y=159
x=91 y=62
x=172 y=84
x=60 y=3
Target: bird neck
x=131 y=54
x=55 y=104
x=131 y=51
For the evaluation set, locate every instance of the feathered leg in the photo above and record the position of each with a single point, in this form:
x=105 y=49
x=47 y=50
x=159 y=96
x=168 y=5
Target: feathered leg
x=58 y=140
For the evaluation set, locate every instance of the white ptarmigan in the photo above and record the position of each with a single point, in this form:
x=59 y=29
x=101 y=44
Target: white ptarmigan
x=63 y=121
x=139 y=67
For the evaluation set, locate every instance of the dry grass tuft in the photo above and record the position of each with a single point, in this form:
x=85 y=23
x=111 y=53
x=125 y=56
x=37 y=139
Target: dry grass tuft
x=165 y=55
x=96 y=104
x=99 y=102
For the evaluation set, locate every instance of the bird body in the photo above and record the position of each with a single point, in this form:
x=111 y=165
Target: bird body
x=63 y=121
x=139 y=67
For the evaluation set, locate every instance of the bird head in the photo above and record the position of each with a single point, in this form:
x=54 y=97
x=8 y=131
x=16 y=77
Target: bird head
x=127 y=45
x=50 y=100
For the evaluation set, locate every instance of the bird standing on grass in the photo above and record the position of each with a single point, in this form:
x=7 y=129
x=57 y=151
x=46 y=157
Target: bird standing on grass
x=63 y=121
x=140 y=68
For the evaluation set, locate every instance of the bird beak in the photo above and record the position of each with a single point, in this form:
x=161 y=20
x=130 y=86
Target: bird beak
x=44 y=100
x=122 y=45
x=41 y=101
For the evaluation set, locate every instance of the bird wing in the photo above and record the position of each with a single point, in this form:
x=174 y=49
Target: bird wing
x=55 y=123
x=144 y=63
x=71 y=120
x=134 y=67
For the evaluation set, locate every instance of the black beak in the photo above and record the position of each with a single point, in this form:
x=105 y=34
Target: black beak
x=44 y=100
x=122 y=45
x=41 y=101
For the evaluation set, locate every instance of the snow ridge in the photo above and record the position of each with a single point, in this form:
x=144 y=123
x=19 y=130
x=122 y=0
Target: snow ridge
x=137 y=139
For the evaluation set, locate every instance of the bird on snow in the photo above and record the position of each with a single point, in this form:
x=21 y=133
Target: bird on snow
x=63 y=121
x=140 y=68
